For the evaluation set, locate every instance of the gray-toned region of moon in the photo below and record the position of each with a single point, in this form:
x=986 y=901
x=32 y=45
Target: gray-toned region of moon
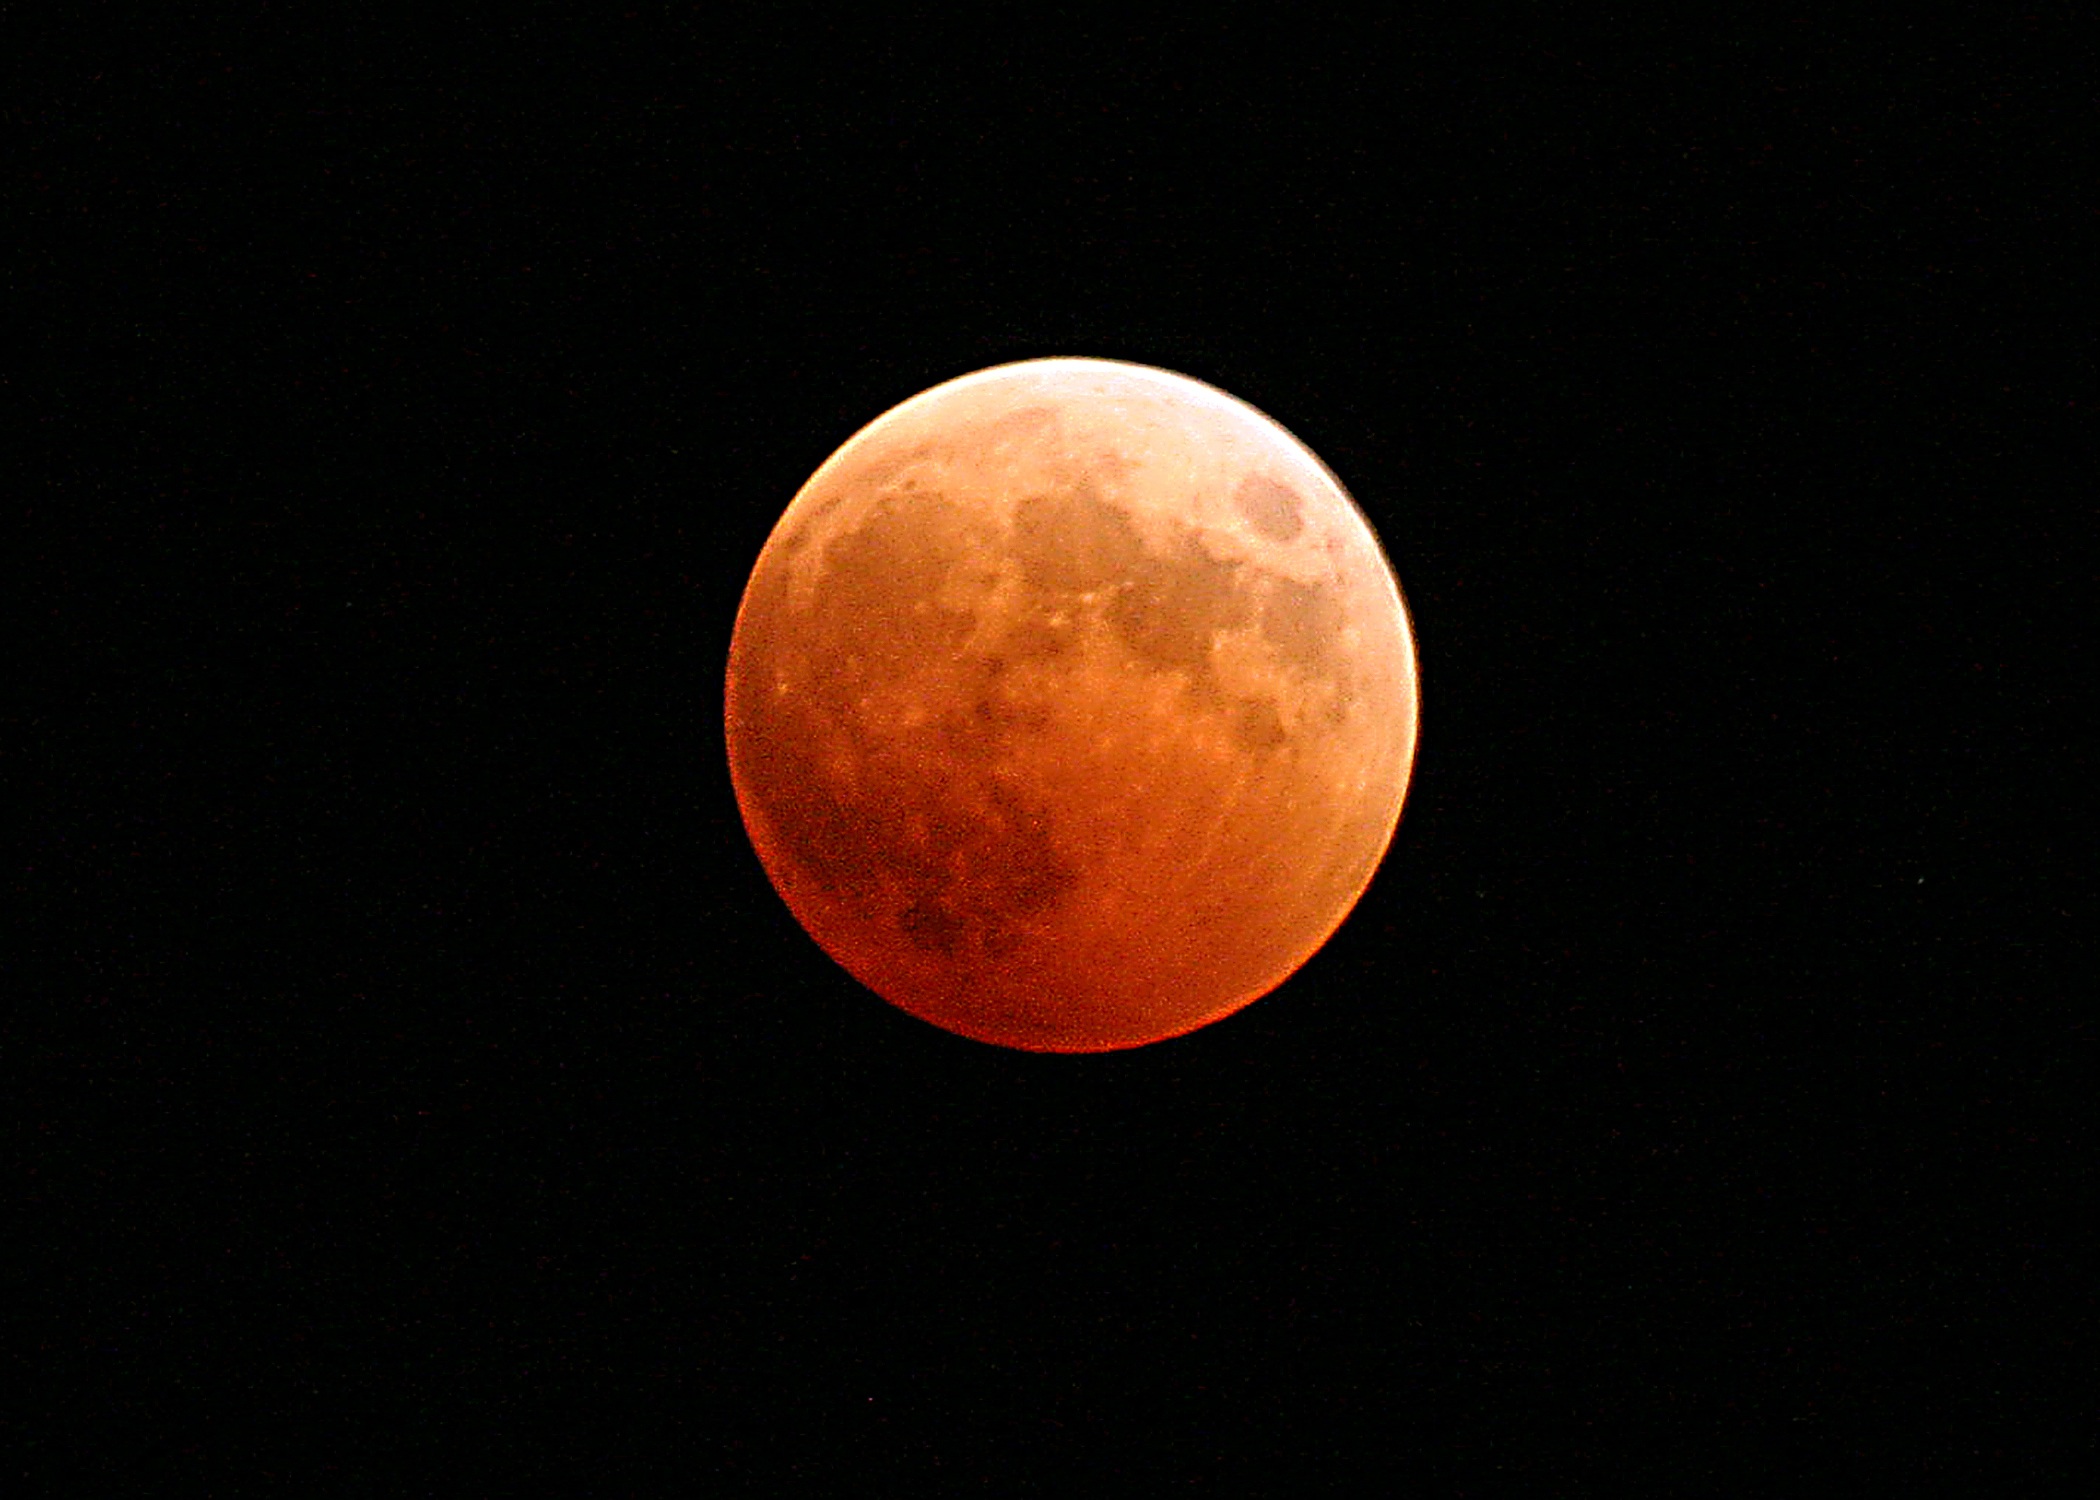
x=1071 y=705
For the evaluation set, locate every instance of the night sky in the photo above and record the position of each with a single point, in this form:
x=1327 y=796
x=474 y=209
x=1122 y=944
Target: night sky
x=414 y=1077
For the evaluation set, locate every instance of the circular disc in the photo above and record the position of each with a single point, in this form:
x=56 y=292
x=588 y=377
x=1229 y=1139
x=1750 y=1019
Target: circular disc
x=1071 y=705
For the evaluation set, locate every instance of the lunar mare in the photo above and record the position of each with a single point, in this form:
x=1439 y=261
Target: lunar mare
x=1071 y=705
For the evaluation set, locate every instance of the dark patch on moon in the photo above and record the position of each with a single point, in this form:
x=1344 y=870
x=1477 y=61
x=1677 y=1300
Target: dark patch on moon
x=1040 y=632
x=815 y=822
x=929 y=925
x=1022 y=866
x=883 y=577
x=917 y=834
x=995 y=717
x=972 y=877
x=1270 y=506
x=1304 y=624
x=1074 y=542
x=1171 y=609
x=1167 y=609
x=1256 y=725
x=956 y=874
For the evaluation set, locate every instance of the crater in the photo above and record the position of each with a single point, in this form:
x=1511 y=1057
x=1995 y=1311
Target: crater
x=1270 y=506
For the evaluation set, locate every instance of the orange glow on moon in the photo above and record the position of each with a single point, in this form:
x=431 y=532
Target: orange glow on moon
x=1071 y=705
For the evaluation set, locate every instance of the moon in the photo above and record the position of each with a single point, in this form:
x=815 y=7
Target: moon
x=1071 y=705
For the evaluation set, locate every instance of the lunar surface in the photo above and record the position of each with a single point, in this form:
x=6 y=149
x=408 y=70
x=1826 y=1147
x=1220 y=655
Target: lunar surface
x=1071 y=705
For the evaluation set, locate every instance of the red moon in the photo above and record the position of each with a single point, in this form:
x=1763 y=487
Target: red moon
x=1071 y=705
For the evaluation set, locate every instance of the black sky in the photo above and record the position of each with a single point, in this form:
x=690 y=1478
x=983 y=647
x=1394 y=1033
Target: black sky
x=418 y=1075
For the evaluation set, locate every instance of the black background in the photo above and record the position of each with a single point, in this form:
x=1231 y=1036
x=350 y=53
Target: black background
x=417 y=1076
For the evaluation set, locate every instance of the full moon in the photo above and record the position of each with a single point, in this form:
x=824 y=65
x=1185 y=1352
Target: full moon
x=1071 y=705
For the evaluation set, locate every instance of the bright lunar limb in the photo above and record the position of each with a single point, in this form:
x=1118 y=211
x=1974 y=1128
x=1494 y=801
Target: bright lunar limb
x=1071 y=705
